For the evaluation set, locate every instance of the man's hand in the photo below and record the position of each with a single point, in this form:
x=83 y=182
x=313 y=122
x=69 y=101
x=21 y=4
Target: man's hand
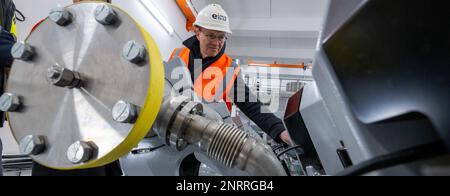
x=285 y=137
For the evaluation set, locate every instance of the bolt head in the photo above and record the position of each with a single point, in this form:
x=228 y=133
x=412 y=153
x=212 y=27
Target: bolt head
x=181 y=144
x=54 y=73
x=60 y=76
x=9 y=102
x=60 y=16
x=32 y=145
x=105 y=14
x=197 y=110
x=124 y=112
x=80 y=152
x=134 y=52
x=22 y=51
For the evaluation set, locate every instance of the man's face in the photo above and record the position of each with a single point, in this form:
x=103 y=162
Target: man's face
x=211 y=42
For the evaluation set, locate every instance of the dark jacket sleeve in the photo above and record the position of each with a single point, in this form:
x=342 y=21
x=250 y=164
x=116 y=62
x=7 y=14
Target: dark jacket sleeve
x=6 y=43
x=251 y=107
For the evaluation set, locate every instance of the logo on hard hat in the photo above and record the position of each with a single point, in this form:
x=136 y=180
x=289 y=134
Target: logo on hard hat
x=219 y=17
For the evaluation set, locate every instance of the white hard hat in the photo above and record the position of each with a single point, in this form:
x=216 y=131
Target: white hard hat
x=213 y=17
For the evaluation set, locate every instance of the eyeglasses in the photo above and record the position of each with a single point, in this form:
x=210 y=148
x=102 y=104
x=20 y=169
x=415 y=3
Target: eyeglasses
x=211 y=37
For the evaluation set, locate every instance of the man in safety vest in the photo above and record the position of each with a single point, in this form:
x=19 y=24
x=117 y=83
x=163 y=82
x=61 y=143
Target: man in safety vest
x=220 y=78
x=7 y=40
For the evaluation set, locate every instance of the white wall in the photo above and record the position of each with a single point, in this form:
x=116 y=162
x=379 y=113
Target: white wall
x=272 y=29
x=169 y=9
x=35 y=11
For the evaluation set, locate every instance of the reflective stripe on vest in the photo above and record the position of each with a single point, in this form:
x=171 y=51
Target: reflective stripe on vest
x=14 y=27
x=215 y=82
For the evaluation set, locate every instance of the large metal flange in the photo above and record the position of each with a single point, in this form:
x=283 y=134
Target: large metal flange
x=83 y=115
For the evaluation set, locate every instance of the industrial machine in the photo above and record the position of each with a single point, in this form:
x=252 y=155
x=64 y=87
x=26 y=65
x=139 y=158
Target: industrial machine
x=89 y=86
x=380 y=101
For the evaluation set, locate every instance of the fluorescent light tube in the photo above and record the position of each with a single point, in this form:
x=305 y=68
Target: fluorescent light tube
x=148 y=4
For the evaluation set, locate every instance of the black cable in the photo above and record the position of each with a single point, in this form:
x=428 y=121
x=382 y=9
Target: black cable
x=287 y=150
x=146 y=150
x=404 y=156
x=278 y=147
x=23 y=18
x=286 y=169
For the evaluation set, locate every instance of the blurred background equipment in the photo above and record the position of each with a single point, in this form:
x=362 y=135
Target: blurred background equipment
x=373 y=108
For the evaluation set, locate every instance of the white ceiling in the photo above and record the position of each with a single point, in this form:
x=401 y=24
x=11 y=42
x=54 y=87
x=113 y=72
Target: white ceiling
x=285 y=31
x=272 y=30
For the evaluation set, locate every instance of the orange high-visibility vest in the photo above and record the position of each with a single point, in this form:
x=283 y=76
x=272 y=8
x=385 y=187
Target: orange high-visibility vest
x=216 y=81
